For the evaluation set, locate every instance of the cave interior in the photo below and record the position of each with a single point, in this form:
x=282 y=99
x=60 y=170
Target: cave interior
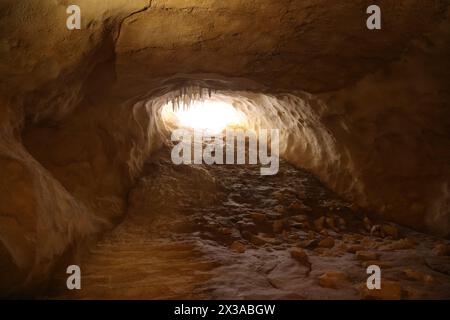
x=87 y=120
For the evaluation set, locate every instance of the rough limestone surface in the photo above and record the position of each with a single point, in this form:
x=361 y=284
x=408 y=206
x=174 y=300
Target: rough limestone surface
x=75 y=128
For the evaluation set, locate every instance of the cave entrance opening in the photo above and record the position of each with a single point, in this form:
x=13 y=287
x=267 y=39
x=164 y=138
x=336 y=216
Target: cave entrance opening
x=217 y=129
x=210 y=116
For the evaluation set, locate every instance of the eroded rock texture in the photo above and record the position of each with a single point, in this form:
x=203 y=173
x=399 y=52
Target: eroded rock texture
x=76 y=126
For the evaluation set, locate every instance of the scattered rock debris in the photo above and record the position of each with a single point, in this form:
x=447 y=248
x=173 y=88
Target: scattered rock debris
x=226 y=232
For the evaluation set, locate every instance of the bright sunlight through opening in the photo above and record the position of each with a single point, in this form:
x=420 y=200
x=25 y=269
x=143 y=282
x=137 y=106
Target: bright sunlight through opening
x=209 y=115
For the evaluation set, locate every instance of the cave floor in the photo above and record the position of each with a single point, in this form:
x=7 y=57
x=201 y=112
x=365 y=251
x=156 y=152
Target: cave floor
x=225 y=232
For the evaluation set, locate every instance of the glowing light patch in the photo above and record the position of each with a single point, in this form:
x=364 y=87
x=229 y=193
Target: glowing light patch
x=209 y=115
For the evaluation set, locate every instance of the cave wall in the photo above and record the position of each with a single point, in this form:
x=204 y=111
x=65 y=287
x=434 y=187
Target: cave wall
x=381 y=134
x=395 y=124
x=45 y=69
x=32 y=203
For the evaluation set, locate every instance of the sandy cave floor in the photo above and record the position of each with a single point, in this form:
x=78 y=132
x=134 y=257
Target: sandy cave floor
x=225 y=232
